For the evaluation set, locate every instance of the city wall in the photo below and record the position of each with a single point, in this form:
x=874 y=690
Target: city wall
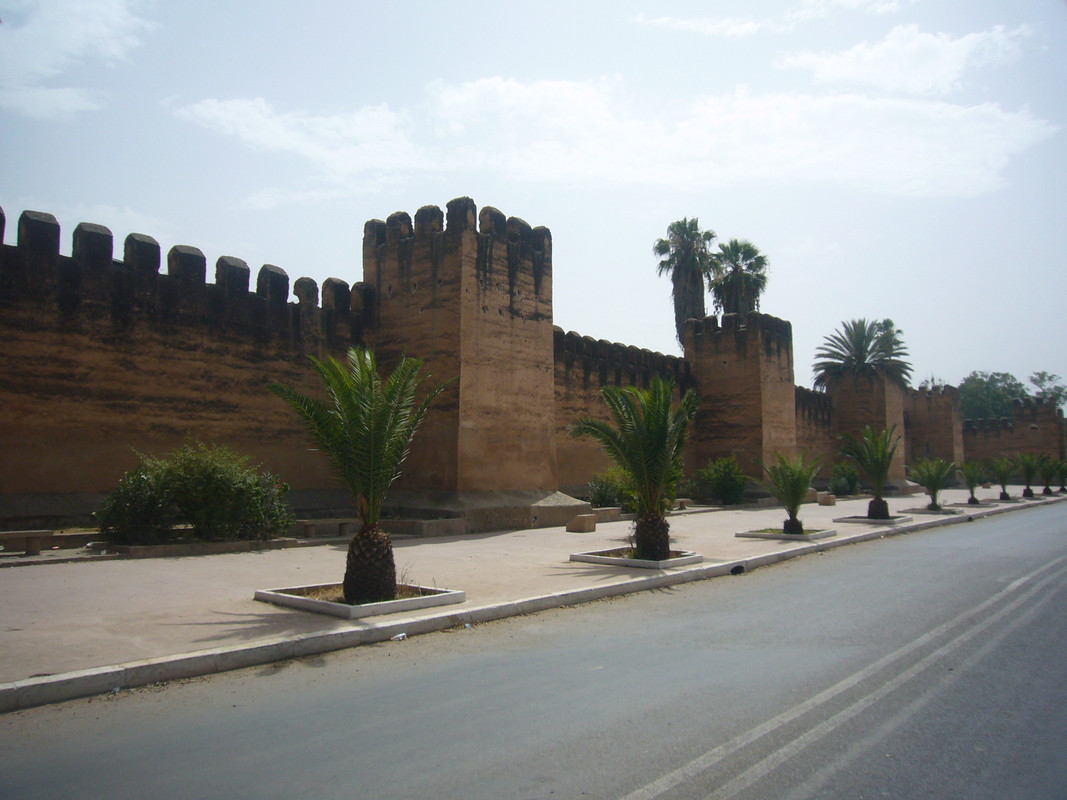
x=1035 y=427
x=108 y=356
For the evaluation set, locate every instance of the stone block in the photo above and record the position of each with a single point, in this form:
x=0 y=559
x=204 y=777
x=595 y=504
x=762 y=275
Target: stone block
x=827 y=499
x=582 y=523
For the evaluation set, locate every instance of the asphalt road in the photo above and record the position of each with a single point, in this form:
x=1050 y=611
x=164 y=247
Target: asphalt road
x=926 y=665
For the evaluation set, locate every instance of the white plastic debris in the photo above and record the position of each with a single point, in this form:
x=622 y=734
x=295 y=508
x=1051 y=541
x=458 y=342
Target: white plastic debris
x=399 y=637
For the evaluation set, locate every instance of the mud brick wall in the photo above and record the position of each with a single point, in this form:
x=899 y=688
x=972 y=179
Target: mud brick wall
x=583 y=366
x=873 y=401
x=743 y=369
x=1034 y=427
x=471 y=295
x=104 y=356
x=816 y=433
x=933 y=424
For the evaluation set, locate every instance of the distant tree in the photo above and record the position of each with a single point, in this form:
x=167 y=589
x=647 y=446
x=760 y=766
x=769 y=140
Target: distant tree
x=685 y=256
x=738 y=276
x=988 y=395
x=862 y=348
x=1049 y=388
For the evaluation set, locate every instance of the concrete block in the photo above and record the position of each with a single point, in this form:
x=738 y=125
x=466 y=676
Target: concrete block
x=827 y=499
x=582 y=523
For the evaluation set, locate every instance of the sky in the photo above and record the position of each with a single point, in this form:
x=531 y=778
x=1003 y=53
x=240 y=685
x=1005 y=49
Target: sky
x=902 y=159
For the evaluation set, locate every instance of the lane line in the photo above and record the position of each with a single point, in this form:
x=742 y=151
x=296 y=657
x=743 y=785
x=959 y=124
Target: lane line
x=771 y=762
x=709 y=759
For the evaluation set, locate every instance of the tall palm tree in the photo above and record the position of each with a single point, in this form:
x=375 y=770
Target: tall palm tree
x=685 y=256
x=646 y=441
x=738 y=276
x=862 y=348
x=365 y=427
x=873 y=453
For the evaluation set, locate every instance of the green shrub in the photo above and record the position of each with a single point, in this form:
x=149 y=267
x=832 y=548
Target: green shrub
x=609 y=489
x=844 y=480
x=139 y=510
x=723 y=480
x=211 y=489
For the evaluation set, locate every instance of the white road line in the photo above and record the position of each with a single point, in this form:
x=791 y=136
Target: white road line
x=709 y=759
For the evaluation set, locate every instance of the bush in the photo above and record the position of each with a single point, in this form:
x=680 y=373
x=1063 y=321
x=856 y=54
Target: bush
x=211 y=489
x=844 y=480
x=609 y=489
x=723 y=480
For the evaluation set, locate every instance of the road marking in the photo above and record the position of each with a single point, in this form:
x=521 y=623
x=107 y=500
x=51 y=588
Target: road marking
x=709 y=759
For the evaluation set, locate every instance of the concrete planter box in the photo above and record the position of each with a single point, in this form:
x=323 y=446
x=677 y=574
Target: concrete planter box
x=296 y=597
x=788 y=537
x=613 y=557
x=863 y=520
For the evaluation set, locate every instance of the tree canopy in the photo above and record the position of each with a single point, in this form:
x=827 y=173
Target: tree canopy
x=862 y=348
x=738 y=276
x=989 y=395
x=685 y=255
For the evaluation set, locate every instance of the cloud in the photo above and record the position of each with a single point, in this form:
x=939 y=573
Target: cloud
x=911 y=61
x=41 y=41
x=583 y=133
x=727 y=27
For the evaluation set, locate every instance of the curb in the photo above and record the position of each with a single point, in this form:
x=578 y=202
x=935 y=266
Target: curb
x=31 y=692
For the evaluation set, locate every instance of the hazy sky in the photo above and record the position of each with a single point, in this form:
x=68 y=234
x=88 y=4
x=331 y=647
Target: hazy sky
x=893 y=158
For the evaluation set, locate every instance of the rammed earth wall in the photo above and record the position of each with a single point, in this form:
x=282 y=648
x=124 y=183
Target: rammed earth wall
x=105 y=356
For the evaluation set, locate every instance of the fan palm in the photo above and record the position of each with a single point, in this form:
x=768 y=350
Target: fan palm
x=873 y=453
x=973 y=473
x=684 y=255
x=738 y=276
x=365 y=427
x=790 y=481
x=933 y=474
x=862 y=348
x=646 y=441
x=1002 y=469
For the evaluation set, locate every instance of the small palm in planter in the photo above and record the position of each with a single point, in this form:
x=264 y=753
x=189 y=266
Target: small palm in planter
x=1061 y=474
x=873 y=453
x=1029 y=465
x=1002 y=469
x=790 y=481
x=933 y=474
x=1047 y=469
x=973 y=473
x=365 y=428
x=646 y=441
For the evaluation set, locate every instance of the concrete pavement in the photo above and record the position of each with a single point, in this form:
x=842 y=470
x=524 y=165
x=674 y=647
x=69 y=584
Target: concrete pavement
x=86 y=627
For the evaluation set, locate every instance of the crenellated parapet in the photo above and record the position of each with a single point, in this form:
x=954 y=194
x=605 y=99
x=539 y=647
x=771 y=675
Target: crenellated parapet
x=741 y=332
x=91 y=285
x=992 y=425
x=612 y=364
x=815 y=408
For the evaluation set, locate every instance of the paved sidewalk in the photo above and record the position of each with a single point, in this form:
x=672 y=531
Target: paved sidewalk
x=86 y=627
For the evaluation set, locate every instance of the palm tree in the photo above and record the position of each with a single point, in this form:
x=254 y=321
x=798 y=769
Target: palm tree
x=365 y=428
x=738 y=276
x=973 y=473
x=1061 y=474
x=646 y=441
x=862 y=348
x=1047 y=469
x=790 y=481
x=1029 y=465
x=873 y=453
x=1002 y=469
x=933 y=474
x=684 y=255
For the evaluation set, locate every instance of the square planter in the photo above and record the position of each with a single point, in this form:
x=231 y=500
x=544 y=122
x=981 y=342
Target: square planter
x=864 y=521
x=788 y=537
x=296 y=597
x=615 y=557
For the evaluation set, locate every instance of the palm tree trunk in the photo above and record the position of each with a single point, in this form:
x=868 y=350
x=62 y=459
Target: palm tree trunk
x=370 y=572
x=652 y=541
x=878 y=509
